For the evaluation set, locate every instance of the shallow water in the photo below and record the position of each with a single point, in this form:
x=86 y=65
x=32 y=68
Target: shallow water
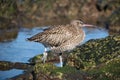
x=9 y=73
x=20 y=50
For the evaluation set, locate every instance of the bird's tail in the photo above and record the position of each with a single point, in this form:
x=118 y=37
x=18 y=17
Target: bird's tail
x=29 y=39
x=33 y=39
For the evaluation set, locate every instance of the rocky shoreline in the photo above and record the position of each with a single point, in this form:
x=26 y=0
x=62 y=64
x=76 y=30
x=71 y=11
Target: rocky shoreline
x=94 y=60
x=45 y=13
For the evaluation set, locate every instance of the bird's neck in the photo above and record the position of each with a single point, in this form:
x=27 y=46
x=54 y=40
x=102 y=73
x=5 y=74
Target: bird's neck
x=78 y=29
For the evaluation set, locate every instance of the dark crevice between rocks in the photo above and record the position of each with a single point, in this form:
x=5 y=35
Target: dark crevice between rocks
x=33 y=74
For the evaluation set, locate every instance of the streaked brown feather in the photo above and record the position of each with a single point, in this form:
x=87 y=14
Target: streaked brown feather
x=70 y=44
x=54 y=36
x=62 y=37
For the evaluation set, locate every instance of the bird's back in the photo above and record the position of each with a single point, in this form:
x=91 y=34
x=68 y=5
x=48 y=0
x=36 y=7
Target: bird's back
x=55 y=36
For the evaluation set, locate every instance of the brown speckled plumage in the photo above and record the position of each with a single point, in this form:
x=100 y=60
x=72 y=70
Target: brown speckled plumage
x=60 y=38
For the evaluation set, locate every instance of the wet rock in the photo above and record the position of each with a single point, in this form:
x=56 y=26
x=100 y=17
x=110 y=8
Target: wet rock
x=25 y=76
x=31 y=13
x=23 y=66
x=99 y=58
x=49 y=71
x=54 y=12
x=107 y=71
x=95 y=52
x=114 y=20
x=8 y=29
x=8 y=8
x=6 y=65
x=8 y=20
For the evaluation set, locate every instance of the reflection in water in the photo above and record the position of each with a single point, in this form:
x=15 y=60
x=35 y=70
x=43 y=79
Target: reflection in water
x=9 y=73
x=20 y=50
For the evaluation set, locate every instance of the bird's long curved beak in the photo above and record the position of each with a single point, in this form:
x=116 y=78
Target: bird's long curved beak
x=87 y=25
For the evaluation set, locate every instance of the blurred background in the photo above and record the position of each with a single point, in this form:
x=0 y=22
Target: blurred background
x=20 y=19
x=31 y=13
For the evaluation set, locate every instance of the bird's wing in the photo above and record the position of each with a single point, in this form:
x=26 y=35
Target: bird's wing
x=53 y=36
x=69 y=44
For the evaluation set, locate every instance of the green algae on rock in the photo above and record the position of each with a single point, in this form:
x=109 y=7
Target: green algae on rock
x=114 y=20
x=49 y=71
x=107 y=71
x=95 y=52
x=6 y=65
x=94 y=60
x=8 y=29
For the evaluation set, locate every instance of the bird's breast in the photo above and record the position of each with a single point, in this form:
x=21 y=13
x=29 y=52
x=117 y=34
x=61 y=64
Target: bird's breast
x=81 y=35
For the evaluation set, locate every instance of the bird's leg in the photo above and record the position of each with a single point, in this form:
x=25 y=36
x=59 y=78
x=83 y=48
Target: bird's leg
x=61 y=60
x=44 y=58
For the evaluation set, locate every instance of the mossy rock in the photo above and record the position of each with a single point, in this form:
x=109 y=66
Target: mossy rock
x=8 y=8
x=114 y=21
x=49 y=71
x=5 y=65
x=96 y=59
x=8 y=29
x=107 y=71
x=95 y=52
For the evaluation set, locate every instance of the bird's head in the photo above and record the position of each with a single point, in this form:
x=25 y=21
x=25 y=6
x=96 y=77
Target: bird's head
x=79 y=23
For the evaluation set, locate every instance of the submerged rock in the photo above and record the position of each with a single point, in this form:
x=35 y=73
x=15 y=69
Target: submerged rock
x=6 y=65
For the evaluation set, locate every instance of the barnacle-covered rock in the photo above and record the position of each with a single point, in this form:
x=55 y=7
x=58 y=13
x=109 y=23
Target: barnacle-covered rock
x=95 y=52
x=49 y=71
x=107 y=71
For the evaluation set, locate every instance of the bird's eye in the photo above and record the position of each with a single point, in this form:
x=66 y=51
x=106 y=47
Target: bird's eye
x=81 y=23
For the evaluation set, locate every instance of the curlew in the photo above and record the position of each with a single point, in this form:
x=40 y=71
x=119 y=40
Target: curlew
x=61 y=38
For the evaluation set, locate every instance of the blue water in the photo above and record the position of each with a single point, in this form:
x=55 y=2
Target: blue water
x=95 y=33
x=20 y=50
x=9 y=73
